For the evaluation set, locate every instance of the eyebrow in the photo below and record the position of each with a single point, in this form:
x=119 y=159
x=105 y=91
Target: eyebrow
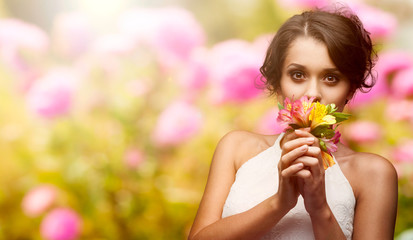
x=303 y=67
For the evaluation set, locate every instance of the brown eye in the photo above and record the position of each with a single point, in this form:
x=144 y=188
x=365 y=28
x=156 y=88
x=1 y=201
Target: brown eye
x=297 y=75
x=331 y=79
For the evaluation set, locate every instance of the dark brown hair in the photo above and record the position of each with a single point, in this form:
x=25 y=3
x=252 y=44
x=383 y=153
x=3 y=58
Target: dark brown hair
x=348 y=43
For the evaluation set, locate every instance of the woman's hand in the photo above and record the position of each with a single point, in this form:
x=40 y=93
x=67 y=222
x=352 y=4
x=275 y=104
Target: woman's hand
x=293 y=148
x=310 y=180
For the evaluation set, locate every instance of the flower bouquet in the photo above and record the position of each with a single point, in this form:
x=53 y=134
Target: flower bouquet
x=322 y=120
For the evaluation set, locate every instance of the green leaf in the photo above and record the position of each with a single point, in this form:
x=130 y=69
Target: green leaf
x=323 y=145
x=280 y=106
x=341 y=116
x=331 y=108
x=323 y=131
x=318 y=130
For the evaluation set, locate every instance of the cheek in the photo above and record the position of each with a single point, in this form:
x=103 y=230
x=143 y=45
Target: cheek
x=290 y=89
x=337 y=96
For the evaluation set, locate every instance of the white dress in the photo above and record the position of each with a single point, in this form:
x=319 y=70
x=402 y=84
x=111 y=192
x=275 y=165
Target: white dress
x=257 y=180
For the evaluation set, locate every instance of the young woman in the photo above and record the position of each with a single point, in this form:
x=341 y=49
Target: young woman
x=275 y=187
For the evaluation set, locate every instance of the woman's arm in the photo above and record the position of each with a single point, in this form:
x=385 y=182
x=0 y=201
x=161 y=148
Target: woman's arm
x=251 y=224
x=376 y=208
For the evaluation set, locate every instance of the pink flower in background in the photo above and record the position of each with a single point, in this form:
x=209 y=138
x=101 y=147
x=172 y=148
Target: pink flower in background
x=402 y=84
x=392 y=61
x=399 y=110
x=388 y=63
x=72 y=34
x=15 y=46
x=114 y=44
x=177 y=123
x=172 y=32
x=379 y=23
x=133 y=158
x=14 y=36
x=293 y=4
x=193 y=75
x=404 y=152
x=268 y=123
x=261 y=44
x=61 y=224
x=234 y=67
x=52 y=95
x=39 y=199
x=363 y=131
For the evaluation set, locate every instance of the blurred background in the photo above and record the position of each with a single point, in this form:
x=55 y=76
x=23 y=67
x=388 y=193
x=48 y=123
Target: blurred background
x=110 y=110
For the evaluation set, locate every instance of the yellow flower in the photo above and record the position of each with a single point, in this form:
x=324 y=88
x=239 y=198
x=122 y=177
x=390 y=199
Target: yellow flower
x=328 y=160
x=319 y=116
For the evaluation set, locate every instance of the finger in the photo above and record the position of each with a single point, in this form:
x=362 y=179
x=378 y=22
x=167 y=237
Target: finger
x=305 y=175
x=307 y=134
x=295 y=143
x=292 y=170
x=289 y=157
x=313 y=151
x=310 y=163
x=302 y=132
x=316 y=153
x=287 y=137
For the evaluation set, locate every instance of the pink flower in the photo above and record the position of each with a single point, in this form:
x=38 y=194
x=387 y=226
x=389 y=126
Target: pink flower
x=402 y=85
x=379 y=23
x=72 y=34
x=297 y=112
x=15 y=46
x=114 y=45
x=261 y=44
x=39 y=199
x=194 y=73
x=388 y=63
x=399 y=110
x=14 y=36
x=177 y=123
x=392 y=61
x=172 y=32
x=404 y=152
x=133 y=158
x=268 y=124
x=284 y=118
x=52 y=95
x=301 y=110
x=293 y=4
x=61 y=224
x=363 y=131
x=331 y=144
x=234 y=67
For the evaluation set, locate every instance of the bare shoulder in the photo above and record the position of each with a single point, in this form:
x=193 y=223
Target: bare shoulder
x=372 y=165
x=372 y=178
x=366 y=169
x=243 y=145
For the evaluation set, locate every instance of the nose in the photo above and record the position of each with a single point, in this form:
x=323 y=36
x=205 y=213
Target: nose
x=313 y=90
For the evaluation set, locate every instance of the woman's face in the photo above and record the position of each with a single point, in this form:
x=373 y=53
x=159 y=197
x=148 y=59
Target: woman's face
x=308 y=70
